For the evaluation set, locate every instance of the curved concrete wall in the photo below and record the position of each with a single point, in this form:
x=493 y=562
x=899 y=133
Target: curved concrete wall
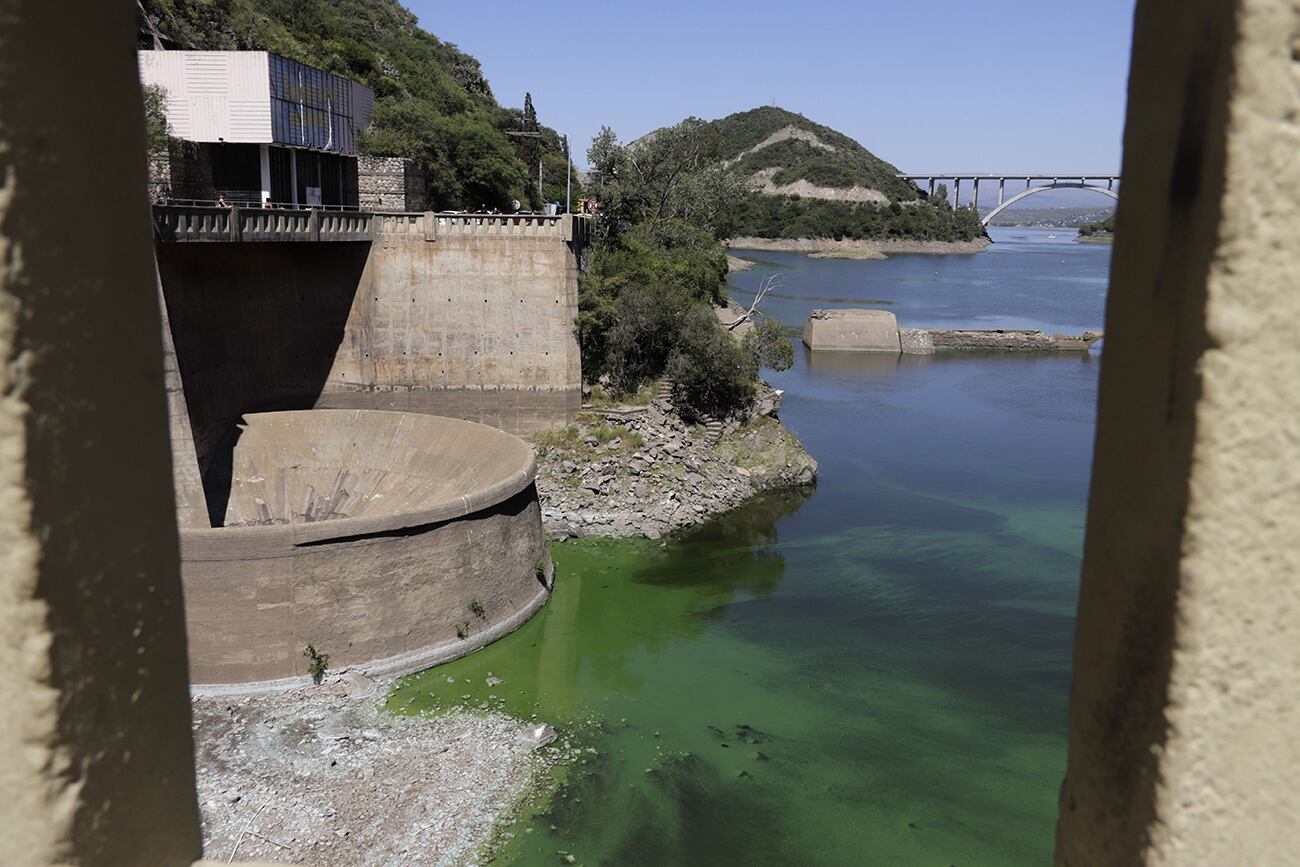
x=366 y=534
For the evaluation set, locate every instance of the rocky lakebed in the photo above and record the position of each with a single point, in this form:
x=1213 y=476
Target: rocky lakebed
x=643 y=471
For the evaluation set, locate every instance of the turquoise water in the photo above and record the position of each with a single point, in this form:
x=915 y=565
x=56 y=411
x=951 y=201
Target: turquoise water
x=871 y=673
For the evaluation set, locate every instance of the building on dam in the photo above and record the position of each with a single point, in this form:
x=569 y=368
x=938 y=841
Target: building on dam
x=253 y=127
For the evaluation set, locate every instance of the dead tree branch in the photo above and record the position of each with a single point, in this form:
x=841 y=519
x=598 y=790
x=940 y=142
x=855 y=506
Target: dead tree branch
x=775 y=281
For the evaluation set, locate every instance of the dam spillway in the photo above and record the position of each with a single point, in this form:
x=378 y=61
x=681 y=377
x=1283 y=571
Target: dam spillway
x=390 y=541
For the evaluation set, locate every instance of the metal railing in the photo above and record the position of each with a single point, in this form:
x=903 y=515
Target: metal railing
x=200 y=220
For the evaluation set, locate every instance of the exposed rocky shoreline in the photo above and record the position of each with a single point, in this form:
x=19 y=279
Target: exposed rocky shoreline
x=854 y=249
x=641 y=471
x=324 y=775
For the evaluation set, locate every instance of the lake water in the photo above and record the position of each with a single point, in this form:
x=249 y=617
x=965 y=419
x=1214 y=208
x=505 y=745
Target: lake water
x=872 y=673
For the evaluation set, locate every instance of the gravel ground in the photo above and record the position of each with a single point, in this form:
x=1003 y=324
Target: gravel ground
x=322 y=776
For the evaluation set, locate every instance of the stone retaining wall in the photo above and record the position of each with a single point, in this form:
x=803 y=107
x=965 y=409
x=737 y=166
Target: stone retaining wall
x=390 y=184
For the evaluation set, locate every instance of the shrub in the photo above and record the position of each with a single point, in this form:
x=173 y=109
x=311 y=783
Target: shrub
x=712 y=373
x=318 y=663
x=560 y=438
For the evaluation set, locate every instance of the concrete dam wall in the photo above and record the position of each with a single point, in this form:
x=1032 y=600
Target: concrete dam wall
x=473 y=322
x=332 y=485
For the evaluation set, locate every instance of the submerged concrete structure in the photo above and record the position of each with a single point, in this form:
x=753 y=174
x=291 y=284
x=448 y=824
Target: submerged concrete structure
x=859 y=330
x=390 y=541
x=852 y=329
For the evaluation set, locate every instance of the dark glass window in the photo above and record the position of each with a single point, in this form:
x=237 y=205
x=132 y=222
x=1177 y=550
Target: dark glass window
x=310 y=107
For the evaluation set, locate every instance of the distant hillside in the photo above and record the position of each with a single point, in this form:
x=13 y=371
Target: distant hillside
x=784 y=153
x=432 y=102
x=810 y=181
x=1052 y=218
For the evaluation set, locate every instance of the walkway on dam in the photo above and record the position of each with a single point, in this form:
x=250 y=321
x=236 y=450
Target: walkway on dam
x=210 y=223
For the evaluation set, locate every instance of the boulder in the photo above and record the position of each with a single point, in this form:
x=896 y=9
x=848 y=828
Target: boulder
x=852 y=329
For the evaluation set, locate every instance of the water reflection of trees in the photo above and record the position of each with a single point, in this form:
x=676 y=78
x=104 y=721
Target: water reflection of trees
x=733 y=552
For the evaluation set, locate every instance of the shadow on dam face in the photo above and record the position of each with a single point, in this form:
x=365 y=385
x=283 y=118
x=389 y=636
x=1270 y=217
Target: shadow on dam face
x=255 y=328
x=389 y=541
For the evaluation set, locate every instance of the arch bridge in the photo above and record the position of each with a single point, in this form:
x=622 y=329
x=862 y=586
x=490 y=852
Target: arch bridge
x=1098 y=182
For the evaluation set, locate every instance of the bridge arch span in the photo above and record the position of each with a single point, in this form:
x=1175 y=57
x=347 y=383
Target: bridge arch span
x=1038 y=189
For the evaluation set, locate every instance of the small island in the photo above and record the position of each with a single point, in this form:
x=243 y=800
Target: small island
x=1101 y=232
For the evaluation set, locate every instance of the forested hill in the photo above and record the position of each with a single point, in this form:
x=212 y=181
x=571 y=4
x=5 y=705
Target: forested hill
x=432 y=102
x=807 y=180
x=781 y=152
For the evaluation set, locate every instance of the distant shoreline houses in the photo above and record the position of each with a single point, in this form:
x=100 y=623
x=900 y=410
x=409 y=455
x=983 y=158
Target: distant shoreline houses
x=252 y=127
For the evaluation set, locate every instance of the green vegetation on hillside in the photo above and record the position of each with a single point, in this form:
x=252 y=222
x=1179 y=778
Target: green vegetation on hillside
x=765 y=216
x=846 y=164
x=826 y=158
x=432 y=102
x=646 y=303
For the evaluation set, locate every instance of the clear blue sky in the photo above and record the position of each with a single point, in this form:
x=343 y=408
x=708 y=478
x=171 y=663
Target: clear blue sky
x=930 y=85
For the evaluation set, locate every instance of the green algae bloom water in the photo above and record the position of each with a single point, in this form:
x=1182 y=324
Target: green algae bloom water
x=874 y=672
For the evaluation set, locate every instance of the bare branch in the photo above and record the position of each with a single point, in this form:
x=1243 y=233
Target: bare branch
x=774 y=281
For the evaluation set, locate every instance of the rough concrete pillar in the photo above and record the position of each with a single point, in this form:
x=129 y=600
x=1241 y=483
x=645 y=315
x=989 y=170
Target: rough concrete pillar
x=191 y=506
x=95 y=749
x=1185 y=702
x=956 y=192
x=1002 y=190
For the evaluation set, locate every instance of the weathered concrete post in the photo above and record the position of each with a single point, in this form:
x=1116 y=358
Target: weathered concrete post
x=430 y=226
x=313 y=225
x=1185 y=703
x=96 y=753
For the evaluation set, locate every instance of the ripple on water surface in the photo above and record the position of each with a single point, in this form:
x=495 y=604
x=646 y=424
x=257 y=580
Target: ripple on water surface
x=874 y=673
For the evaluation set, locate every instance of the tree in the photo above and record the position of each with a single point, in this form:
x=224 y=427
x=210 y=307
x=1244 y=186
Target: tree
x=155 y=118
x=711 y=372
x=529 y=149
x=674 y=173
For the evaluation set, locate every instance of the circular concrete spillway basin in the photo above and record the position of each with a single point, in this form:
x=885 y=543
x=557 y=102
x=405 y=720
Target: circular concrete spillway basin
x=388 y=541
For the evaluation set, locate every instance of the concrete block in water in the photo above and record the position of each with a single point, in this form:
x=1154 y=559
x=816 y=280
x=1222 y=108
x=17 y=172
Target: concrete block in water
x=916 y=341
x=852 y=329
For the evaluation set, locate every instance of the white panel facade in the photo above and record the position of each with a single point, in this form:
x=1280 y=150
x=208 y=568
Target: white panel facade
x=250 y=97
x=213 y=96
x=227 y=96
x=167 y=69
